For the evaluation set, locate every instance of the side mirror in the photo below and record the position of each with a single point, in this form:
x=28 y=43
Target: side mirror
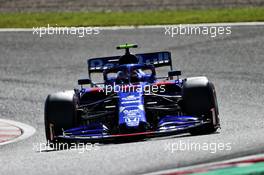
x=84 y=81
x=174 y=73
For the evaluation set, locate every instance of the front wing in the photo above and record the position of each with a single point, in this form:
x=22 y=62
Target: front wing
x=95 y=136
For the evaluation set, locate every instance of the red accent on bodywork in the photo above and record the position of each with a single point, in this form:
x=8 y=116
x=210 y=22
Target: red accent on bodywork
x=96 y=89
x=164 y=83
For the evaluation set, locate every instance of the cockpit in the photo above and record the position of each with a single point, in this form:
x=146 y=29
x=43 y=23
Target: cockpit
x=130 y=74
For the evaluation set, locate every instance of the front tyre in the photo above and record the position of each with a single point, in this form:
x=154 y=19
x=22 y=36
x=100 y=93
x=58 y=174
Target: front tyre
x=199 y=99
x=60 y=113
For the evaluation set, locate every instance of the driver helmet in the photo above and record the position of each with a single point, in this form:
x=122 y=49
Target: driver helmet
x=128 y=59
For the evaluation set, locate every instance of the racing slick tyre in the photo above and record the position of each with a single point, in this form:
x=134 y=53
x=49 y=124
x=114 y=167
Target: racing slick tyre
x=60 y=113
x=199 y=99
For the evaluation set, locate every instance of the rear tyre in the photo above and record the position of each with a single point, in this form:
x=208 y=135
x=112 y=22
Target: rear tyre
x=60 y=113
x=199 y=99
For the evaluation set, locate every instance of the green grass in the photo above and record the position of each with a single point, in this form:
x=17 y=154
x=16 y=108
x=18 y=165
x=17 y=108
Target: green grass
x=17 y=20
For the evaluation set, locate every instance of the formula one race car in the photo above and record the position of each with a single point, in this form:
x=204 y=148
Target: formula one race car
x=132 y=102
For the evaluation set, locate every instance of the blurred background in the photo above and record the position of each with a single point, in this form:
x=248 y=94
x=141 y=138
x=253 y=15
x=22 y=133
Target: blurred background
x=119 y=5
x=32 y=13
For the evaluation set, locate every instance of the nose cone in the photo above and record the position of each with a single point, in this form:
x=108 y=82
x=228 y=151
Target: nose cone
x=131 y=110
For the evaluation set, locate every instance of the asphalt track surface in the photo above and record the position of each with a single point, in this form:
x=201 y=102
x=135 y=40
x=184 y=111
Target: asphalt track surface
x=32 y=67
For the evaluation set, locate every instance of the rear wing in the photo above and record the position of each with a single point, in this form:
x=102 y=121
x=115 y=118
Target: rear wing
x=158 y=59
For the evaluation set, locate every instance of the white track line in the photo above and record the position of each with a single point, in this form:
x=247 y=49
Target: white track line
x=144 y=27
x=199 y=166
x=27 y=131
